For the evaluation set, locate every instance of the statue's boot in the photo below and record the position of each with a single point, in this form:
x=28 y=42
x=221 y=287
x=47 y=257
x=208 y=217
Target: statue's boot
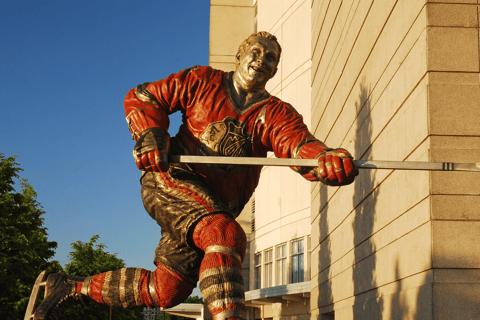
x=126 y=287
x=59 y=288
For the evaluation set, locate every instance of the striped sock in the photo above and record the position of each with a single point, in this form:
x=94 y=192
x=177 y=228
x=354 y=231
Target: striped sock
x=221 y=280
x=134 y=287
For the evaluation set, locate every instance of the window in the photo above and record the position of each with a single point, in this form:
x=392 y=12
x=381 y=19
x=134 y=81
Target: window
x=281 y=264
x=297 y=261
x=258 y=270
x=309 y=258
x=268 y=258
x=253 y=213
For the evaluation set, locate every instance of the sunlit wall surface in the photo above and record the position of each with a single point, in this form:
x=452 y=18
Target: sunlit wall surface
x=397 y=80
x=279 y=215
x=387 y=80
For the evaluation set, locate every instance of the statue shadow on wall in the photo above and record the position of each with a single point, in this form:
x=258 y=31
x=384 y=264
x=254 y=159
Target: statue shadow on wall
x=369 y=304
x=364 y=203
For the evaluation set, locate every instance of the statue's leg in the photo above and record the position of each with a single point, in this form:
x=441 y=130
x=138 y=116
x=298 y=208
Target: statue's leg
x=177 y=200
x=200 y=226
x=126 y=287
x=134 y=287
x=221 y=281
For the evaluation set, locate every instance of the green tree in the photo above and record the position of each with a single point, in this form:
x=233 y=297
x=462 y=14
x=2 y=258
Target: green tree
x=194 y=299
x=24 y=248
x=87 y=259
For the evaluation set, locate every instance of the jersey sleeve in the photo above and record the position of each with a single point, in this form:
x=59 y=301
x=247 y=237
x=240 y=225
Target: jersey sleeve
x=149 y=105
x=288 y=136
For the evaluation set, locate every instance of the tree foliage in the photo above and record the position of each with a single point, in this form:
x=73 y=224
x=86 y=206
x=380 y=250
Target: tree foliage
x=25 y=252
x=88 y=259
x=194 y=299
x=24 y=248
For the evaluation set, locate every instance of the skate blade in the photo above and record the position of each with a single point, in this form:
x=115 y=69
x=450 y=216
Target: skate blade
x=40 y=282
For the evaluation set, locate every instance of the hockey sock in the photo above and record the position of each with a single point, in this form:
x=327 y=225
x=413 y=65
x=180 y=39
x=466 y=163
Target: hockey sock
x=134 y=287
x=221 y=280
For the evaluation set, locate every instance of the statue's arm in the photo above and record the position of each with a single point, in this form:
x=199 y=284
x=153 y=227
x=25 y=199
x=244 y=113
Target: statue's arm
x=289 y=137
x=148 y=123
x=147 y=108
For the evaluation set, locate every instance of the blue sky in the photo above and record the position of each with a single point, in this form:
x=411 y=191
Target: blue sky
x=65 y=68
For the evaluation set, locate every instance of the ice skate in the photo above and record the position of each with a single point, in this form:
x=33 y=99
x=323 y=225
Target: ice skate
x=59 y=288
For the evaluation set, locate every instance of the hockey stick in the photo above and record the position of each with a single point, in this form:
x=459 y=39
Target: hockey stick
x=362 y=164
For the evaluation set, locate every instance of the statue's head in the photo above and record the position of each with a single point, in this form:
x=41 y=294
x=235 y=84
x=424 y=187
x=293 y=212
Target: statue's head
x=247 y=42
x=257 y=59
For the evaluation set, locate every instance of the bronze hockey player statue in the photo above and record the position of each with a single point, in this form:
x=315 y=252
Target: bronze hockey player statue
x=224 y=114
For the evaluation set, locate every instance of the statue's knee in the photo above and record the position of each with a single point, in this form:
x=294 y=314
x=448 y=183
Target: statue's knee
x=170 y=288
x=240 y=239
x=169 y=300
x=220 y=230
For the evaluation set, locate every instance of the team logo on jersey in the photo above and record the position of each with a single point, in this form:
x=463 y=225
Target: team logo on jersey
x=228 y=137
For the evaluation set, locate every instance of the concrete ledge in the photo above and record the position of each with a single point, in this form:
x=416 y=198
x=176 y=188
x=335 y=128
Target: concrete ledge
x=279 y=294
x=187 y=310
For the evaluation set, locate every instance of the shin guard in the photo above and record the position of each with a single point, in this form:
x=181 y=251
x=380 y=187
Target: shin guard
x=221 y=280
x=134 y=287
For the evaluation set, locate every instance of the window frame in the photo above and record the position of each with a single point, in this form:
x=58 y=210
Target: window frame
x=257 y=265
x=268 y=268
x=297 y=261
x=281 y=274
x=308 y=276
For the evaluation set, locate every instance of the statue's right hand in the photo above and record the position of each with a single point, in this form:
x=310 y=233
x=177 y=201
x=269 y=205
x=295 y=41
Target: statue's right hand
x=336 y=167
x=156 y=161
x=151 y=150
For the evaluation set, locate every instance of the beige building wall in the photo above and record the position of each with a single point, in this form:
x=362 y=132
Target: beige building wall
x=387 y=80
x=281 y=210
x=397 y=80
x=282 y=198
x=231 y=22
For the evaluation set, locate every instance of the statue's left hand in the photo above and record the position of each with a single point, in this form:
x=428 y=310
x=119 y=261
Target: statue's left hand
x=336 y=167
x=151 y=150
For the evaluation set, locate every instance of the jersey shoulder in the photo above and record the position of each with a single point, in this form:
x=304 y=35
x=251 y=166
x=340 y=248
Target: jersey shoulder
x=202 y=72
x=278 y=103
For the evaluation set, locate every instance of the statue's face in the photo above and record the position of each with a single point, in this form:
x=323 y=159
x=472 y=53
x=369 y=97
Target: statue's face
x=258 y=64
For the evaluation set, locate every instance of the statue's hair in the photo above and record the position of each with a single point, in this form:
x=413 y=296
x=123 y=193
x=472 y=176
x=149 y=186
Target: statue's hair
x=247 y=42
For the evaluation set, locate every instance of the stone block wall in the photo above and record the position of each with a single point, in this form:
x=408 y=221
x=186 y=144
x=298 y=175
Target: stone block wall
x=397 y=80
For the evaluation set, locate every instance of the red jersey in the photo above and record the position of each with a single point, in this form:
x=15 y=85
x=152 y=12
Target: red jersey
x=213 y=125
